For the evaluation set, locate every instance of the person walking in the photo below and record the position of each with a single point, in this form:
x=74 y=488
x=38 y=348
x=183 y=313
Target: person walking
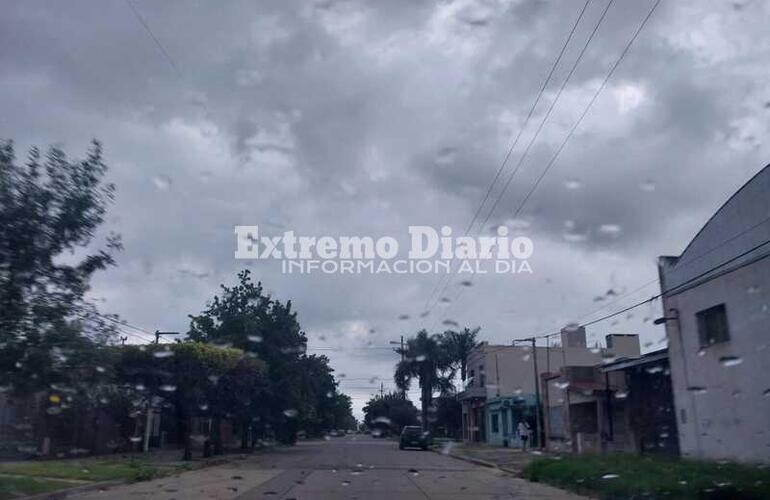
x=524 y=432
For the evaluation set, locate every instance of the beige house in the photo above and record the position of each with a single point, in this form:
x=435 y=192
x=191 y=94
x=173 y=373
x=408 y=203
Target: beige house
x=503 y=386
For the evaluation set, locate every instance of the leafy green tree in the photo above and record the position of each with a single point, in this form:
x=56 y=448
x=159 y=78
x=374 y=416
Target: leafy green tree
x=460 y=345
x=49 y=208
x=297 y=385
x=391 y=410
x=426 y=358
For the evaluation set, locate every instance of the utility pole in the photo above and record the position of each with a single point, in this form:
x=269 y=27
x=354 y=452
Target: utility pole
x=401 y=343
x=158 y=334
x=537 y=387
x=150 y=397
x=382 y=395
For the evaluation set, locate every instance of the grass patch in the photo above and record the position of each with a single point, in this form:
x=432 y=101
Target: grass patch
x=631 y=476
x=14 y=487
x=84 y=470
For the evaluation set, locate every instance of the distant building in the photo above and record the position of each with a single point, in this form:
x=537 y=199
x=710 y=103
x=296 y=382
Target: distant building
x=501 y=390
x=716 y=301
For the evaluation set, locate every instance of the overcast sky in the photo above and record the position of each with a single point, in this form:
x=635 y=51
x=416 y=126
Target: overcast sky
x=347 y=117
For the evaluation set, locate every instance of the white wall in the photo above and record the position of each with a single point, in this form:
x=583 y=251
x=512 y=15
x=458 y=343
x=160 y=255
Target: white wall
x=731 y=419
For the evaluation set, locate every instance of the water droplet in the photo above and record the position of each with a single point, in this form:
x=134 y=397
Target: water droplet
x=203 y=407
x=450 y=322
x=621 y=395
x=728 y=361
x=695 y=389
x=162 y=182
x=654 y=369
x=403 y=317
x=100 y=369
x=466 y=283
x=345 y=483
x=255 y=338
x=290 y=412
x=165 y=353
x=573 y=237
x=610 y=476
x=561 y=385
x=414 y=472
x=167 y=388
x=420 y=358
x=612 y=230
x=445 y=300
x=647 y=185
x=135 y=439
x=572 y=184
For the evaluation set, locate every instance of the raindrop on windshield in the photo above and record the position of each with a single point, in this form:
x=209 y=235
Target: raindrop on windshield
x=647 y=185
x=162 y=182
x=163 y=354
x=610 y=229
x=728 y=361
x=572 y=184
x=255 y=338
x=168 y=388
x=290 y=412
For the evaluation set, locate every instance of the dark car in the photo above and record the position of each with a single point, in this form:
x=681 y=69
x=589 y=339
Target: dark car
x=414 y=437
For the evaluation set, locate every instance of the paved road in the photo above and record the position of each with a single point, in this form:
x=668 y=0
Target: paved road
x=352 y=467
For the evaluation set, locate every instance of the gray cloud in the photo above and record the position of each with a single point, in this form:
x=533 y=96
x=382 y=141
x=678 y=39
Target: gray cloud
x=346 y=117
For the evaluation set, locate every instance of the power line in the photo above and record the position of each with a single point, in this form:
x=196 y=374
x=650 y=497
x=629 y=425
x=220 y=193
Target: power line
x=585 y=110
x=518 y=135
x=588 y=107
x=544 y=120
x=159 y=45
x=673 y=289
x=548 y=112
x=682 y=264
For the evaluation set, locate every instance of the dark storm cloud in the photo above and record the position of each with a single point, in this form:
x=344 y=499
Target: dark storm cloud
x=347 y=117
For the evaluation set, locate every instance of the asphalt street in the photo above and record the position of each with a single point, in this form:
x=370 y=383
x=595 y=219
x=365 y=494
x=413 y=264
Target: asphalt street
x=350 y=467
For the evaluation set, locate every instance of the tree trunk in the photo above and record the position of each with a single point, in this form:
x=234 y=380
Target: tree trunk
x=186 y=426
x=216 y=431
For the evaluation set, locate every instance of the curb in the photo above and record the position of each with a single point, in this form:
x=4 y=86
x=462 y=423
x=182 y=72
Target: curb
x=481 y=462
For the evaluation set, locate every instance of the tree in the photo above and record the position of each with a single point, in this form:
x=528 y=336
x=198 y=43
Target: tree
x=300 y=391
x=391 y=410
x=426 y=358
x=49 y=208
x=449 y=416
x=460 y=345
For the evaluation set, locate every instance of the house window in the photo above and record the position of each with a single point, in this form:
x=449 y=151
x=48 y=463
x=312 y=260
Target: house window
x=712 y=325
x=495 y=423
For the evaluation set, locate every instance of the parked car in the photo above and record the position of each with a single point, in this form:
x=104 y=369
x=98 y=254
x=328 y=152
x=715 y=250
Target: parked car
x=414 y=437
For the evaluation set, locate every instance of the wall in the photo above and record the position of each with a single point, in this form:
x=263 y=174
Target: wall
x=730 y=417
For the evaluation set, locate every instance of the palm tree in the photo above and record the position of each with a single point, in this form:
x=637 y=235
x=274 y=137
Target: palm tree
x=460 y=345
x=426 y=358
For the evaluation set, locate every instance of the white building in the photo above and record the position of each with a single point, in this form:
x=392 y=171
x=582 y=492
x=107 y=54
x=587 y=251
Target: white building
x=716 y=300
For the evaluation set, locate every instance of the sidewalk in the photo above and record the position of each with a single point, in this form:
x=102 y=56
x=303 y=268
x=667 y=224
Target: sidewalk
x=511 y=460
